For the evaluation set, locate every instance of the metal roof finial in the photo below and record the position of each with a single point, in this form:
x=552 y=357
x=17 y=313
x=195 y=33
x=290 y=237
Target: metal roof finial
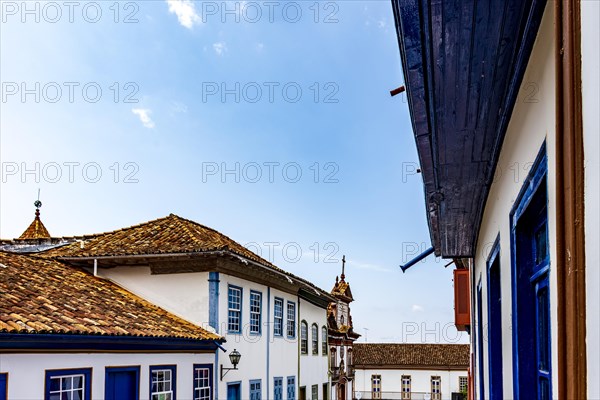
x=37 y=205
x=343 y=276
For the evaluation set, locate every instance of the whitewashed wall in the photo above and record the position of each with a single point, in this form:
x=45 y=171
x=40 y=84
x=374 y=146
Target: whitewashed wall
x=590 y=32
x=185 y=295
x=313 y=368
x=27 y=371
x=533 y=120
x=263 y=356
x=391 y=380
x=284 y=351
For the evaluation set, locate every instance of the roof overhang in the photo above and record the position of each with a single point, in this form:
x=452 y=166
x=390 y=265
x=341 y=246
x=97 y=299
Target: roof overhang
x=463 y=64
x=21 y=342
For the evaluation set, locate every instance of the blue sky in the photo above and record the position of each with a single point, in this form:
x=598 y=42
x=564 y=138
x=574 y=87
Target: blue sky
x=270 y=122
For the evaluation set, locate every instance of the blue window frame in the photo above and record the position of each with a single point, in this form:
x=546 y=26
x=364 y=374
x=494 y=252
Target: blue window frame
x=3 y=386
x=234 y=307
x=278 y=388
x=532 y=372
x=255 y=390
x=73 y=384
x=278 y=317
x=291 y=319
x=255 y=312
x=494 y=331
x=163 y=382
x=291 y=388
x=203 y=378
x=480 y=341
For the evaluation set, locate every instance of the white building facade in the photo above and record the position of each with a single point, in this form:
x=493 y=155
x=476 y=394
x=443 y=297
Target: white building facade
x=411 y=371
x=274 y=319
x=67 y=334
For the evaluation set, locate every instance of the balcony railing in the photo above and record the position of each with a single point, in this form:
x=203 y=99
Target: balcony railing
x=360 y=395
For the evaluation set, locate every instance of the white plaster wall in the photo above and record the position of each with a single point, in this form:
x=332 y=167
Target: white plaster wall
x=391 y=380
x=281 y=353
x=533 y=120
x=284 y=351
x=313 y=368
x=253 y=364
x=185 y=295
x=26 y=372
x=590 y=35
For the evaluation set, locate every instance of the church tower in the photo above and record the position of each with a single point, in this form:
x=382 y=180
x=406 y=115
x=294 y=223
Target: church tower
x=341 y=338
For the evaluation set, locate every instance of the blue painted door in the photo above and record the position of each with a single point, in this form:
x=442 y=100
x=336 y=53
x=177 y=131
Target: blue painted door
x=233 y=392
x=480 y=341
x=3 y=386
x=122 y=384
x=531 y=301
x=495 y=325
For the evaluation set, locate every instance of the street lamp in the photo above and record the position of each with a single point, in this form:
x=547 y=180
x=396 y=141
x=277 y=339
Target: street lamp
x=234 y=357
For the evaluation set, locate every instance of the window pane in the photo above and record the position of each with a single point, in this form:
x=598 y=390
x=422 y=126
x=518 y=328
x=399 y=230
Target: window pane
x=541 y=244
x=543 y=328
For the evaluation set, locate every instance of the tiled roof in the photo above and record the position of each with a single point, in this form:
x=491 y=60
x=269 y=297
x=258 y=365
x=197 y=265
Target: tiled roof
x=171 y=234
x=411 y=354
x=45 y=296
x=168 y=235
x=36 y=229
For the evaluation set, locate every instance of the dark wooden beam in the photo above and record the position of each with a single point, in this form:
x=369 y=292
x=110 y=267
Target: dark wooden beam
x=570 y=240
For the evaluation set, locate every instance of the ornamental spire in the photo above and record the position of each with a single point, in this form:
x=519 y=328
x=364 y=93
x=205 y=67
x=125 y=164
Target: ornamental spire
x=343 y=276
x=36 y=230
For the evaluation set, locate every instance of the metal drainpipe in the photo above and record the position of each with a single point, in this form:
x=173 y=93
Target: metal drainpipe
x=95 y=267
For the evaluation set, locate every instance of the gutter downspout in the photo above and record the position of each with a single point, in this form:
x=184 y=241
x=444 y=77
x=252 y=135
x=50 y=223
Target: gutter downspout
x=268 y=326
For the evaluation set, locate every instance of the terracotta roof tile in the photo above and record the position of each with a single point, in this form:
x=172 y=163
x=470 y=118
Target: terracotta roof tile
x=411 y=354
x=168 y=235
x=46 y=296
x=171 y=234
x=36 y=230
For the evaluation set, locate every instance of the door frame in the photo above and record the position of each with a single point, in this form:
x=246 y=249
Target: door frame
x=4 y=375
x=537 y=177
x=129 y=368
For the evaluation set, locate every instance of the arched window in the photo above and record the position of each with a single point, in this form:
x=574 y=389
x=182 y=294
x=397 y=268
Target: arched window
x=303 y=337
x=324 y=340
x=315 y=339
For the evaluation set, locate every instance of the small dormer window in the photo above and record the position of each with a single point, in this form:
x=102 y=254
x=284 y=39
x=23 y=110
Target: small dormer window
x=342 y=320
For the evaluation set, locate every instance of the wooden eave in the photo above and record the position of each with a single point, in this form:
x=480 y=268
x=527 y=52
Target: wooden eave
x=463 y=64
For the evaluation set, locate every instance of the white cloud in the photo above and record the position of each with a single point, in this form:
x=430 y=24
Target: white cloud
x=220 y=48
x=185 y=11
x=417 y=308
x=144 y=115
